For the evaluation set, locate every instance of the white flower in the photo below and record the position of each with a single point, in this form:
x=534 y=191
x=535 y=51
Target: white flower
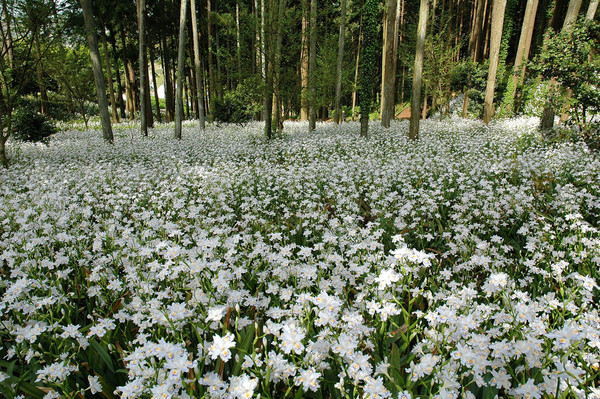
x=309 y=379
x=95 y=385
x=220 y=347
x=242 y=387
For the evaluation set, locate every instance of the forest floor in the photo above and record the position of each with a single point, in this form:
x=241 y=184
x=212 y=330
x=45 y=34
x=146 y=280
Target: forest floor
x=321 y=265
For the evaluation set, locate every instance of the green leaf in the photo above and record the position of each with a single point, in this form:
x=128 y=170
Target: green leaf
x=101 y=351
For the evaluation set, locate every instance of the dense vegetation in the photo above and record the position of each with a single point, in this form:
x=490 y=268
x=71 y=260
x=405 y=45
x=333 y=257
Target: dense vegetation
x=315 y=265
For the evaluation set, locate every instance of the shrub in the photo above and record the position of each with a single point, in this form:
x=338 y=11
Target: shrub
x=30 y=125
x=240 y=105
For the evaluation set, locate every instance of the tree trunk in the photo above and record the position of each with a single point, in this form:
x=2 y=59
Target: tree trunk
x=476 y=31
x=113 y=43
x=496 y=39
x=340 y=62
x=97 y=67
x=591 y=11
x=312 y=67
x=141 y=11
x=166 y=64
x=238 y=48
x=111 y=89
x=128 y=85
x=388 y=69
x=522 y=51
x=355 y=87
x=413 y=131
x=198 y=66
x=268 y=65
x=39 y=69
x=304 y=63
x=277 y=68
x=211 y=72
x=547 y=121
x=156 y=99
x=180 y=69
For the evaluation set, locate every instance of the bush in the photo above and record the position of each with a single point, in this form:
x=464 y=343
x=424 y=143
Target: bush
x=240 y=105
x=30 y=125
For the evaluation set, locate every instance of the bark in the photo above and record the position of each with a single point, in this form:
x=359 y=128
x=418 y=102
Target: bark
x=496 y=39
x=166 y=64
x=388 y=64
x=141 y=10
x=476 y=31
x=113 y=43
x=156 y=99
x=97 y=67
x=111 y=89
x=180 y=69
x=523 y=49
x=340 y=62
x=356 y=71
x=268 y=65
x=128 y=89
x=211 y=72
x=39 y=69
x=312 y=67
x=591 y=11
x=413 y=132
x=277 y=68
x=304 y=63
x=7 y=41
x=198 y=66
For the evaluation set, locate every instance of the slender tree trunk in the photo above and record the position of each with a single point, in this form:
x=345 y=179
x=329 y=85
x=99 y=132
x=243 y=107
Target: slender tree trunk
x=211 y=72
x=88 y=16
x=340 y=62
x=413 y=131
x=398 y=36
x=356 y=68
x=487 y=32
x=496 y=40
x=312 y=67
x=547 y=121
x=522 y=50
x=180 y=69
x=113 y=43
x=166 y=64
x=277 y=69
x=304 y=50
x=141 y=11
x=111 y=89
x=128 y=84
x=591 y=11
x=39 y=69
x=156 y=98
x=198 y=66
x=476 y=31
x=267 y=42
x=7 y=41
x=238 y=48
x=388 y=64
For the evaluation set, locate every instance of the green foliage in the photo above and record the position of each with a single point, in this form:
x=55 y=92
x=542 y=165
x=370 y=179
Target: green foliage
x=30 y=125
x=572 y=58
x=368 y=59
x=472 y=77
x=240 y=105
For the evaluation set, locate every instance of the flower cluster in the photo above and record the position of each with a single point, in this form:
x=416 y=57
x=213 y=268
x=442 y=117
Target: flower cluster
x=224 y=266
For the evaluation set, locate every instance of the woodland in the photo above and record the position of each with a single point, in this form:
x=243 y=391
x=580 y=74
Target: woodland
x=361 y=199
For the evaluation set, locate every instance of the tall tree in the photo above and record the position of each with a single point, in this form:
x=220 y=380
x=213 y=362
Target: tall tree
x=97 y=66
x=591 y=11
x=141 y=10
x=413 y=130
x=496 y=39
x=312 y=67
x=388 y=70
x=180 y=70
x=268 y=65
x=111 y=90
x=211 y=73
x=304 y=50
x=368 y=65
x=340 y=62
x=197 y=65
x=522 y=51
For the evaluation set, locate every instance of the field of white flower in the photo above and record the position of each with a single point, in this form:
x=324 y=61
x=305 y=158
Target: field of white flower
x=314 y=266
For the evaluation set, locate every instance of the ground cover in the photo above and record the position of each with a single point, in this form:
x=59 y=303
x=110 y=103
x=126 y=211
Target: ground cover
x=315 y=265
